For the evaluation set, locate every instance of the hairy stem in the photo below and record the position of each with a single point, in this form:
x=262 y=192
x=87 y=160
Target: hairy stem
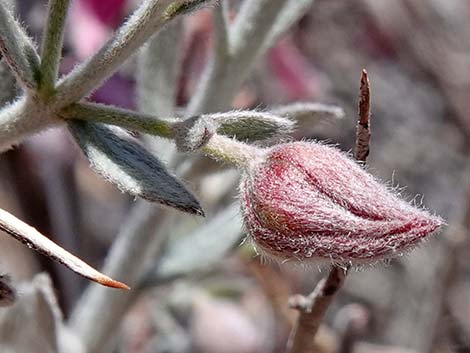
x=142 y=234
x=231 y=64
x=128 y=119
x=313 y=308
x=147 y=20
x=21 y=119
x=258 y=24
x=131 y=251
x=52 y=45
x=225 y=149
x=291 y=13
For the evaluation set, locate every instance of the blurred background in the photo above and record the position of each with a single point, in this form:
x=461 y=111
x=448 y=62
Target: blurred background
x=417 y=54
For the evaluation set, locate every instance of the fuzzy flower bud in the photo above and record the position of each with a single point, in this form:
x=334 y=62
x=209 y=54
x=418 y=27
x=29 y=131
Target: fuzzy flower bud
x=307 y=200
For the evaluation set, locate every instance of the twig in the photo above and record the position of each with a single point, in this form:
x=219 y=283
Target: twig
x=52 y=44
x=258 y=24
x=361 y=150
x=313 y=308
x=147 y=20
x=135 y=246
x=245 y=125
x=291 y=13
x=142 y=234
x=36 y=241
x=158 y=72
x=221 y=29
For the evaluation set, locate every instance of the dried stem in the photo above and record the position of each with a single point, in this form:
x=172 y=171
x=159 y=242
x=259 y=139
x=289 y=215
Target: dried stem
x=361 y=150
x=36 y=241
x=313 y=308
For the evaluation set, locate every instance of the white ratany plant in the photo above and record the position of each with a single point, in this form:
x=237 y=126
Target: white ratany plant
x=242 y=138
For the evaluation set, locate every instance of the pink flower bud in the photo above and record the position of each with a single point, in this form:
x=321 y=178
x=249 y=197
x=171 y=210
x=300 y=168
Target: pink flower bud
x=307 y=200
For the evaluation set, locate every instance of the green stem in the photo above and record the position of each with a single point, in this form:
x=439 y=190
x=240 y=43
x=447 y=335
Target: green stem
x=128 y=119
x=53 y=36
x=225 y=149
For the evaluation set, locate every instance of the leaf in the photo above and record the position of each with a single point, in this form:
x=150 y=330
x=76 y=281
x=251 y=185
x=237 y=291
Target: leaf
x=18 y=49
x=200 y=250
x=123 y=161
x=251 y=125
x=307 y=110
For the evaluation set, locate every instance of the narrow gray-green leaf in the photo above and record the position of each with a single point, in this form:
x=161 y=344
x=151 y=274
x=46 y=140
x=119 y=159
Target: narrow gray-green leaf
x=122 y=160
x=18 y=49
x=198 y=251
x=309 y=110
x=251 y=125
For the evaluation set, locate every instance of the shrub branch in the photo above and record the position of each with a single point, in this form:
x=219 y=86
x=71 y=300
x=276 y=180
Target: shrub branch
x=312 y=308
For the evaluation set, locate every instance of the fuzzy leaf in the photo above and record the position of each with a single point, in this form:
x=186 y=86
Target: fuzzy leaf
x=202 y=249
x=251 y=125
x=307 y=110
x=18 y=49
x=122 y=160
x=182 y=7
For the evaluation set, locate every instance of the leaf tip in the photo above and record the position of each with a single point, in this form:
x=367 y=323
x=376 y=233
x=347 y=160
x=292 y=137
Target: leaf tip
x=194 y=209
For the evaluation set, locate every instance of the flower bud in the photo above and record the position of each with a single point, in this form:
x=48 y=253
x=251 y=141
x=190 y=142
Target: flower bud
x=307 y=200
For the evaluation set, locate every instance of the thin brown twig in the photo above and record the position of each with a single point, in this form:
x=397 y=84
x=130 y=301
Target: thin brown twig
x=36 y=241
x=361 y=150
x=313 y=308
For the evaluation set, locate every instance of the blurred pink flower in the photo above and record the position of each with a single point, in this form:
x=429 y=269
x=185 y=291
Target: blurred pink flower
x=91 y=25
x=307 y=200
x=296 y=75
x=91 y=22
x=109 y=12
